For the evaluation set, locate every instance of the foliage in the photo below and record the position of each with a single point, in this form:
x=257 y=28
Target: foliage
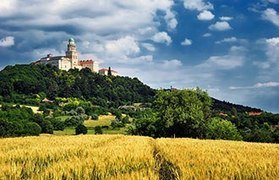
x=222 y=129
x=98 y=130
x=81 y=129
x=50 y=82
x=182 y=113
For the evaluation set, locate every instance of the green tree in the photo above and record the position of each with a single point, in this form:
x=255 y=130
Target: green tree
x=47 y=127
x=81 y=129
x=98 y=130
x=182 y=113
x=222 y=129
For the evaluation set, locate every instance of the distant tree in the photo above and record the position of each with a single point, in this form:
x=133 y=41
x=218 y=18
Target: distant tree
x=32 y=129
x=98 y=130
x=80 y=110
x=222 y=129
x=109 y=72
x=81 y=129
x=47 y=127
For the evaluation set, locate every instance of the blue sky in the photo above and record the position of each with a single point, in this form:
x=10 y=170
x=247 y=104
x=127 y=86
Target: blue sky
x=230 y=48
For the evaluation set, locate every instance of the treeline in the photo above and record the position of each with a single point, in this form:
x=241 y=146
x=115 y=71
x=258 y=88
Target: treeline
x=188 y=113
x=21 y=84
x=225 y=107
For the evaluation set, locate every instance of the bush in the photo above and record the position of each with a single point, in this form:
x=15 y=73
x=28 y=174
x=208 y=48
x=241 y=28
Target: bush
x=81 y=129
x=98 y=130
x=222 y=129
x=74 y=121
x=47 y=127
x=32 y=129
x=94 y=116
x=58 y=124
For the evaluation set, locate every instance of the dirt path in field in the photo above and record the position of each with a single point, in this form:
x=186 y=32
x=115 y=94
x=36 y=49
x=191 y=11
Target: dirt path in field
x=166 y=169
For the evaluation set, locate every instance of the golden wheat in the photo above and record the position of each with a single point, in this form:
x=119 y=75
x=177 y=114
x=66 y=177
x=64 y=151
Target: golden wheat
x=209 y=159
x=131 y=157
x=77 y=157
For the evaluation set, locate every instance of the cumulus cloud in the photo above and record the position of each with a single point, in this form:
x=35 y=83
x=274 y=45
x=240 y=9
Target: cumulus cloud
x=235 y=58
x=186 y=42
x=148 y=46
x=123 y=46
x=205 y=16
x=162 y=37
x=273 y=1
x=225 y=18
x=220 y=26
x=231 y=40
x=227 y=40
x=256 y=86
x=199 y=5
x=207 y=35
x=271 y=15
x=7 y=41
x=170 y=20
x=272 y=51
x=105 y=17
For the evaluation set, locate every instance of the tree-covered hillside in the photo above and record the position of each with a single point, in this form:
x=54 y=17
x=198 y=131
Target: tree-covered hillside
x=21 y=81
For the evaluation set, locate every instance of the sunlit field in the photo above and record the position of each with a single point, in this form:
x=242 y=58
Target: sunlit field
x=132 y=157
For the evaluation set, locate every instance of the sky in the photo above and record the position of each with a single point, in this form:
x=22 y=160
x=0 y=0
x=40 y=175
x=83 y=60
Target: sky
x=229 y=48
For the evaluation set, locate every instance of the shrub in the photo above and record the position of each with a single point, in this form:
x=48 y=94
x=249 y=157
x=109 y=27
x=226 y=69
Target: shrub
x=94 y=116
x=74 y=121
x=98 y=130
x=47 y=127
x=222 y=129
x=81 y=129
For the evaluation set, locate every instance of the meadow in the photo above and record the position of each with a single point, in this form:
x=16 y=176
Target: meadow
x=133 y=157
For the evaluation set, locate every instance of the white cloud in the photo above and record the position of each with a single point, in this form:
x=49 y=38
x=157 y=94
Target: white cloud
x=162 y=37
x=274 y=1
x=7 y=41
x=105 y=18
x=220 y=26
x=235 y=58
x=256 y=86
x=207 y=35
x=7 y=7
x=225 y=18
x=205 y=16
x=123 y=46
x=186 y=42
x=171 y=20
x=271 y=15
x=272 y=51
x=148 y=46
x=197 y=5
x=227 y=40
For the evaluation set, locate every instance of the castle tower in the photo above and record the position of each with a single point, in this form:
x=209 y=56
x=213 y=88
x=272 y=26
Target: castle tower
x=71 y=52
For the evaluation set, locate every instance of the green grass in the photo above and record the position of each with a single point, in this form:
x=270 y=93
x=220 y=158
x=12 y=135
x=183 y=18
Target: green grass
x=67 y=131
x=91 y=124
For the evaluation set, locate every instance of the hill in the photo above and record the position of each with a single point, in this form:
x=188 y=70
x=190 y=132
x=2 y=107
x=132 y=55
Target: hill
x=224 y=106
x=21 y=82
x=133 y=157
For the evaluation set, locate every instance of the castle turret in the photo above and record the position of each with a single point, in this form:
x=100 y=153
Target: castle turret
x=71 y=52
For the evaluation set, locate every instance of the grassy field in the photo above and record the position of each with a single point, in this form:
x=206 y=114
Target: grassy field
x=104 y=120
x=131 y=157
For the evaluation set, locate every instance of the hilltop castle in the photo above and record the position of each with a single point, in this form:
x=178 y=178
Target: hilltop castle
x=71 y=61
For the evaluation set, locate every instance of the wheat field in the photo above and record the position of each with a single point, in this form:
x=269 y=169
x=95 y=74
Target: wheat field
x=132 y=157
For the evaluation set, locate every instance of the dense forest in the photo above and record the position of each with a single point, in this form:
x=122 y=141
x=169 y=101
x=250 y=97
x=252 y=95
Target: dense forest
x=18 y=83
